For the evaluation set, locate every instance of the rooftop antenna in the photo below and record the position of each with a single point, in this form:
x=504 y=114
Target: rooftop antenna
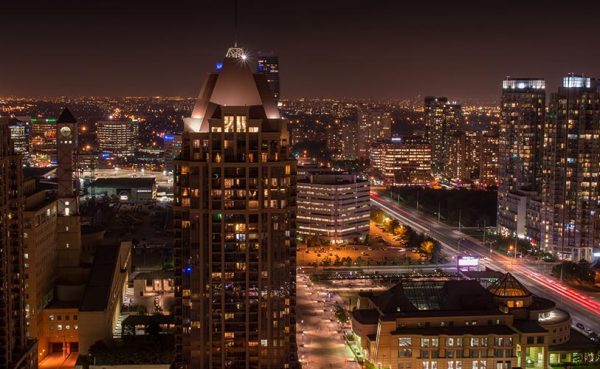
x=235 y=22
x=235 y=51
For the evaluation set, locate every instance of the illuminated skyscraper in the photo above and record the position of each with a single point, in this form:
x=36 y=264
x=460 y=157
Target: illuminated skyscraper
x=234 y=209
x=20 y=130
x=42 y=141
x=520 y=153
x=172 y=147
x=269 y=66
x=571 y=193
x=15 y=349
x=374 y=124
x=117 y=138
x=442 y=118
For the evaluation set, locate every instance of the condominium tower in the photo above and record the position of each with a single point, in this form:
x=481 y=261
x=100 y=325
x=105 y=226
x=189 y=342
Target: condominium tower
x=520 y=153
x=570 y=192
x=235 y=214
x=16 y=351
x=442 y=117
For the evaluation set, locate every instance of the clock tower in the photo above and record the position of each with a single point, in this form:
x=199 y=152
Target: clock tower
x=68 y=222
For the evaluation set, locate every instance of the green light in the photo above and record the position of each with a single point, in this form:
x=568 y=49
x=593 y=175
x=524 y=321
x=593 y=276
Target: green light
x=50 y=120
x=33 y=120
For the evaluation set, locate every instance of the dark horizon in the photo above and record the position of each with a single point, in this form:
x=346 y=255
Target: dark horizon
x=351 y=49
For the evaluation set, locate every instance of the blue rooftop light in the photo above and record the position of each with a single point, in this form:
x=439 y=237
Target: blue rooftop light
x=188 y=269
x=105 y=155
x=169 y=137
x=219 y=66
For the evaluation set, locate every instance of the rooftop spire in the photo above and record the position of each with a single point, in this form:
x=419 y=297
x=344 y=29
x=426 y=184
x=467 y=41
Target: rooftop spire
x=235 y=23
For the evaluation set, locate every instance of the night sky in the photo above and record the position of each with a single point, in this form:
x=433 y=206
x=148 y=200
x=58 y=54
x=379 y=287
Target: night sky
x=327 y=48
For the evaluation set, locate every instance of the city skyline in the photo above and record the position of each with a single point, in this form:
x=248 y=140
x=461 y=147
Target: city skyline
x=365 y=50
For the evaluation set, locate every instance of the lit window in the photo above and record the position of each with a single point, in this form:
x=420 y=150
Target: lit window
x=240 y=123
x=228 y=123
x=59 y=327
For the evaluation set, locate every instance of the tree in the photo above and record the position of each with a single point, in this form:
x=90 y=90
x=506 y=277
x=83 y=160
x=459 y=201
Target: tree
x=401 y=233
x=391 y=225
x=427 y=246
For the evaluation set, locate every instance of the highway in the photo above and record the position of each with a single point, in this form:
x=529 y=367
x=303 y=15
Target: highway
x=583 y=308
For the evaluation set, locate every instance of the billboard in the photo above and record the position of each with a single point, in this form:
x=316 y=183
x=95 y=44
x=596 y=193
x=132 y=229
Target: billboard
x=468 y=262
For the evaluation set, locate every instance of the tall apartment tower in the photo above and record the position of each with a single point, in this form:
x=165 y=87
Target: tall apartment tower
x=68 y=234
x=269 y=66
x=374 y=124
x=234 y=209
x=442 y=118
x=520 y=154
x=571 y=169
x=15 y=349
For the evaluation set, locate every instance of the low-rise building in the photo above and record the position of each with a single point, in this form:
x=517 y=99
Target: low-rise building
x=126 y=189
x=334 y=207
x=459 y=324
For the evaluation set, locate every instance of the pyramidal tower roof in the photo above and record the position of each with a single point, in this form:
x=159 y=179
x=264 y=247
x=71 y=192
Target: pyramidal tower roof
x=508 y=286
x=66 y=117
x=235 y=84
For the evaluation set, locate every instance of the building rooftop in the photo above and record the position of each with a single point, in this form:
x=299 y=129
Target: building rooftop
x=329 y=178
x=97 y=290
x=428 y=298
x=471 y=330
x=235 y=75
x=125 y=182
x=66 y=117
x=508 y=286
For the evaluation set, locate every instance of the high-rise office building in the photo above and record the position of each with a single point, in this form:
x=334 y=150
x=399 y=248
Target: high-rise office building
x=234 y=209
x=570 y=194
x=16 y=351
x=172 y=147
x=403 y=161
x=334 y=207
x=42 y=141
x=269 y=66
x=442 y=118
x=117 y=138
x=520 y=152
x=20 y=131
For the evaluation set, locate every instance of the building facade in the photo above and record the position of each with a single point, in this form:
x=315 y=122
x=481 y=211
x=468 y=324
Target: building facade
x=117 y=138
x=234 y=210
x=20 y=132
x=269 y=66
x=16 y=351
x=334 y=207
x=42 y=141
x=442 y=118
x=172 y=147
x=520 y=150
x=404 y=161
x=374 y=124
x=570 y=192
x=459 y=324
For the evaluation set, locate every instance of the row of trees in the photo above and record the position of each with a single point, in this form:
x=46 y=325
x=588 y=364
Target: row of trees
x=407 y=237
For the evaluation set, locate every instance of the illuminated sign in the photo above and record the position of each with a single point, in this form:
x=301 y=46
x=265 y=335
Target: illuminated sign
x=577 y=82
x=468 y=261
x=105 y=155
x=169 y=137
